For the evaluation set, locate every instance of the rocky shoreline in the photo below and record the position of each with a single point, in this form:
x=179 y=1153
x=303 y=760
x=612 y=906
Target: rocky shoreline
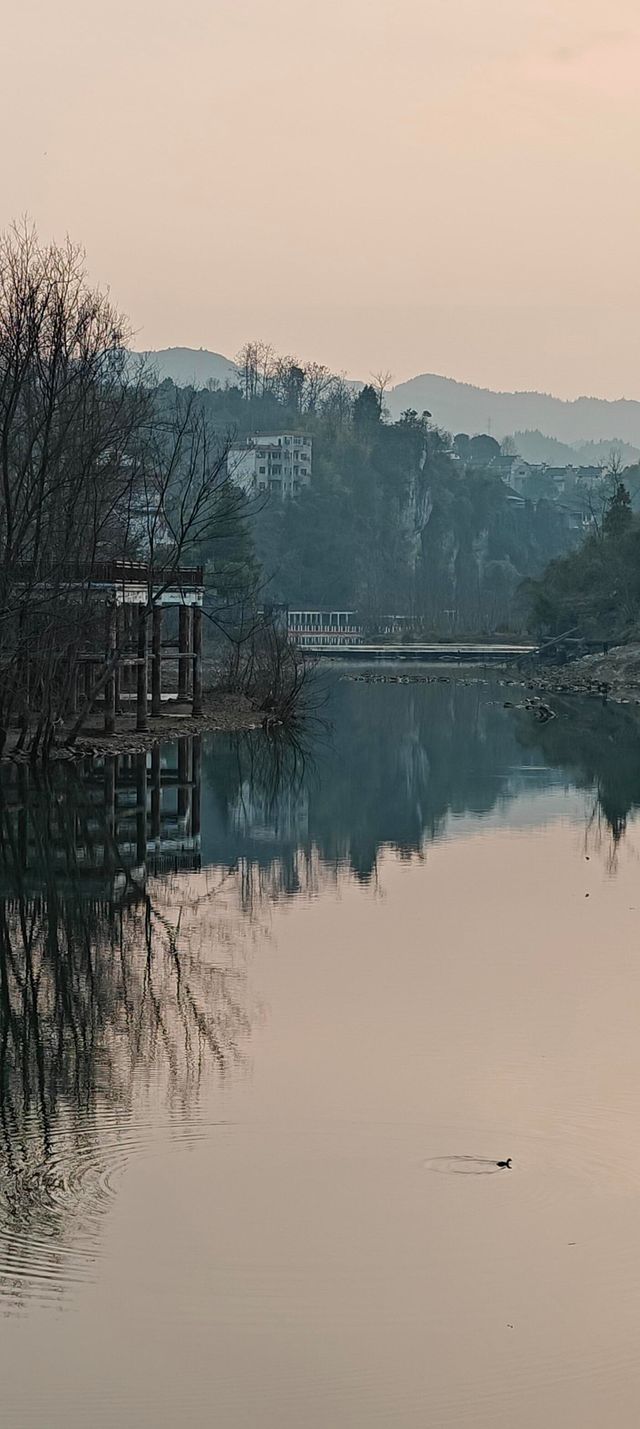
x=614 y=676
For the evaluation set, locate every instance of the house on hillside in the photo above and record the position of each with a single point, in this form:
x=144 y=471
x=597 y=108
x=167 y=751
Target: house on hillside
x=511 y=469
x=277 y=464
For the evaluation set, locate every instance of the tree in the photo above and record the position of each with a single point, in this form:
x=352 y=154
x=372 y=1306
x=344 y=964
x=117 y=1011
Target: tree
x=71 y=416
x=96 y=464
x=618 y=518
x=380 y=382
x=366 y=410
x=483 y=449
x=461 y=445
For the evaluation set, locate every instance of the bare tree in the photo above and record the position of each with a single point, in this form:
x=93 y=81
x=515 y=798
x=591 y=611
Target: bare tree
x=318 y=382
x=71 y=410
x=97 y=464
x=381 y=381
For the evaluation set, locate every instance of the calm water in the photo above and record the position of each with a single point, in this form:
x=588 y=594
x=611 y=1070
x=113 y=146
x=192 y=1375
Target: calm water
x=268 y=1017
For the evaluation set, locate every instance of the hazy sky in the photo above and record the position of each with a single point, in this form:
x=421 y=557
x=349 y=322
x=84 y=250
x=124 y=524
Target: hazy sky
x=424 y=185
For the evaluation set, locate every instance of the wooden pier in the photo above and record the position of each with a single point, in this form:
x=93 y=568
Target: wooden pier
x=125 y=663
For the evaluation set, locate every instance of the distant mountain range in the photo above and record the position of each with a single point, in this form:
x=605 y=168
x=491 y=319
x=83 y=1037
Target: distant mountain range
x=547 y=428
x=459 y=407
x=536 y=447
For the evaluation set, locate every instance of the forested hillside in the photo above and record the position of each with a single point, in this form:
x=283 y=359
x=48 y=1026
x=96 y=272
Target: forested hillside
x=394 y=523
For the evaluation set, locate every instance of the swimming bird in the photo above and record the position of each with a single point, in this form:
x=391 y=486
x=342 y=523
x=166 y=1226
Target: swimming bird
x=505 y=1165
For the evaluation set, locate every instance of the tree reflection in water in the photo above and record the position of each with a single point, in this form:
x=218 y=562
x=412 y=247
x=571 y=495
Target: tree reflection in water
x=598 y=746
x=119 y=985
x=400 y=762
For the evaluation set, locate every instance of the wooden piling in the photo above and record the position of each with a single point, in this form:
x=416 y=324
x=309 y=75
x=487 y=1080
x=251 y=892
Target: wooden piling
x=118 y=670
x=142 y=715
x=184 y=642
x=197 y=661
x=156 y=662
x=110 y=686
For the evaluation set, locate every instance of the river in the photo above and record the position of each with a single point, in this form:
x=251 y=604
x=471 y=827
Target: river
x=270 y=1014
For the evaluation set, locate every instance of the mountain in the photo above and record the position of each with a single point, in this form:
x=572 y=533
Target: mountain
x=191 y=366
x=459 y=407
x=536 y=447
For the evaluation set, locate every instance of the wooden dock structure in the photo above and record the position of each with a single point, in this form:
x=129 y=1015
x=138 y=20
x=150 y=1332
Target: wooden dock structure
x=135 y=597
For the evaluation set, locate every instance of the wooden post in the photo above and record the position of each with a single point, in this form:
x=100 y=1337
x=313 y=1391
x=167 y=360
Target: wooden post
x=110 y=687
x=142 y=717
x=156 y=662
x=197 y=661
x=184 y=632
x=118 y=670
x=126 y=647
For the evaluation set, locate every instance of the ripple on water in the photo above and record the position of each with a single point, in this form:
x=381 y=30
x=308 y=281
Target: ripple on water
x=52 y=1204
x=463 y=1165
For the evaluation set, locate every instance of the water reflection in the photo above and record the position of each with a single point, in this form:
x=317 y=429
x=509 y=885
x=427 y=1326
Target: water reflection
x=117 y=991
x=128 y=887
x=402 y=766
x=597 y=746
x=399 y=763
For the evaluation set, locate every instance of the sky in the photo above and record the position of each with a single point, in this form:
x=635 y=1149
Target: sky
x=441 y=186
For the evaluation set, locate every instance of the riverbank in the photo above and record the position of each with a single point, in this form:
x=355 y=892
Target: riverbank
x=614 y=676
x=222 y=712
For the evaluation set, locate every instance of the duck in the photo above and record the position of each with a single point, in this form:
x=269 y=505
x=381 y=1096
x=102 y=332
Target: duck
x=504 y=1165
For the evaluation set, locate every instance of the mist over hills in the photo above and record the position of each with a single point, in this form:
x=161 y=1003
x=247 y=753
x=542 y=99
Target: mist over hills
x=460 y=407
x=548 y=428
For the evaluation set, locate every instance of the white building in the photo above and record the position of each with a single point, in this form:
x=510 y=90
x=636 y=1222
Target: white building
x=278 y=463
x=313 y=629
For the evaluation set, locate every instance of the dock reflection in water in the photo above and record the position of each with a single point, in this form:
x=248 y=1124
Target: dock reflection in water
x=110 y=988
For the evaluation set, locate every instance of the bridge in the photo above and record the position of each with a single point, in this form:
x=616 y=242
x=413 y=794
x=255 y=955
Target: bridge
x=458 y=653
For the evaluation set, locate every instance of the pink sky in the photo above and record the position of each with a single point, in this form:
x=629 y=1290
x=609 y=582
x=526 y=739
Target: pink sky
x=423 y=185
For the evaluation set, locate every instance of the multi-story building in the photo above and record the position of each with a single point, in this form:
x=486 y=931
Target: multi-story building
x=278 y=463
